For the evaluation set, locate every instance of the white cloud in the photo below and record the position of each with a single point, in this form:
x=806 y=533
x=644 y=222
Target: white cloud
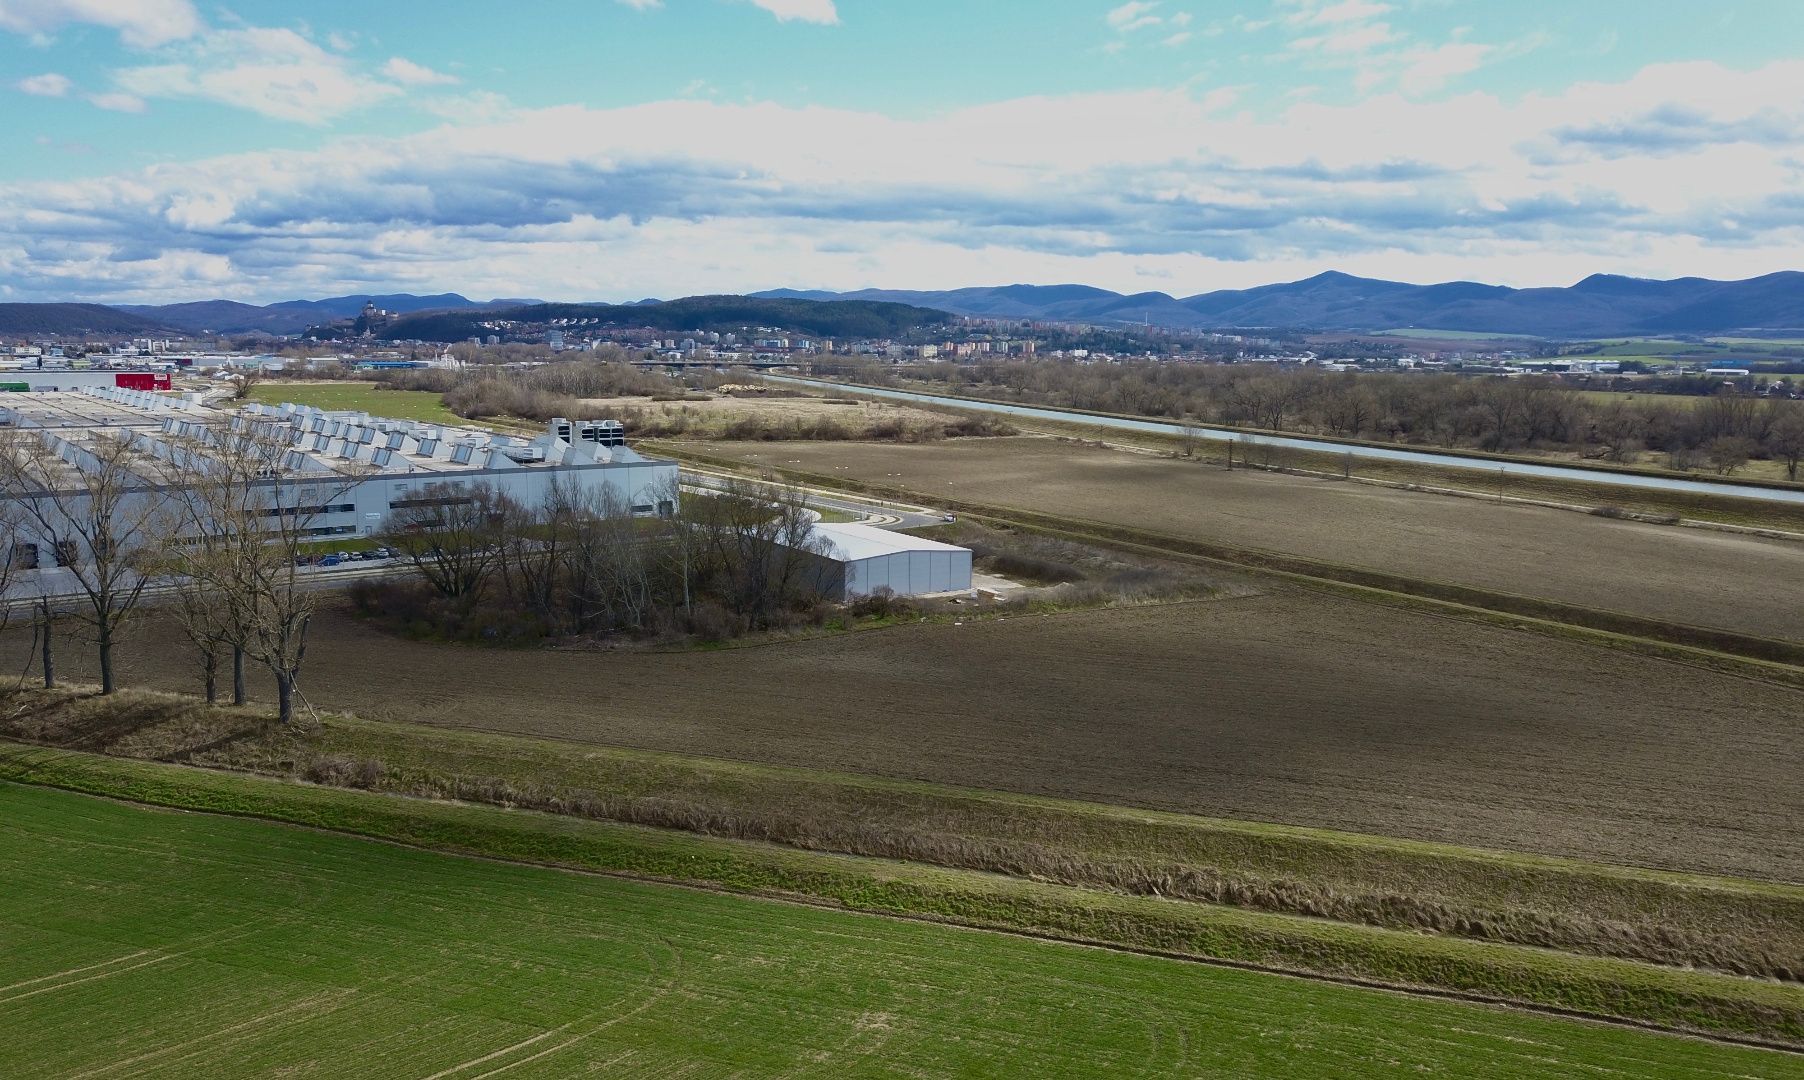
x=1318 y=13
x=478 y=107
x=275 y=72
x=1681 y=169
x=1352 y=35
x=1347 y=39
x=1134 y=15
x=118 y=102
x=1178 y=38
x=1427 y=70
x=814 y=11
x=49 y=84
x=408 y=73
x=140 y=23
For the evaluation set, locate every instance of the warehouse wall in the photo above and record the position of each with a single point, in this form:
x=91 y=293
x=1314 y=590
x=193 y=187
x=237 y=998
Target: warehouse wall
x=909 y=573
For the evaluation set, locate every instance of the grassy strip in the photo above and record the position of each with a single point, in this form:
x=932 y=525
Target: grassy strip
x=1742 y=927
x=1719 y=1005
x=366 y=397
x=1705 y=639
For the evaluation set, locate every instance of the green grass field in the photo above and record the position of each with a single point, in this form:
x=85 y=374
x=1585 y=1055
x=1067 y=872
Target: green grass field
x=1453 y=335
x=144 y=943
x=1682 y=401
x=1646 y=348
x=360 y=397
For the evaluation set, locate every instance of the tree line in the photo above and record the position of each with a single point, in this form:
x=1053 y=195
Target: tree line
x=582 y=563
x=207 y=524
x=1721 y=432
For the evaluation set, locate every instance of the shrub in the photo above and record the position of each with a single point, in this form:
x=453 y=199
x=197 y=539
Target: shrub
x=882 y=604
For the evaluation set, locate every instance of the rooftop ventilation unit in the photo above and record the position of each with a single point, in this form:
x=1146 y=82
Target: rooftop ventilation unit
x=601 y=432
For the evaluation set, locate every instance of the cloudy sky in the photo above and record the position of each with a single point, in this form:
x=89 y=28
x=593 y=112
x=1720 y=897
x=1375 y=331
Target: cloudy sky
x=164 y=150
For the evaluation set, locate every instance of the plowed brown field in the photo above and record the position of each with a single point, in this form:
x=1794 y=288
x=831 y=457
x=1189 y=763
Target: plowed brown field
x=1692 y=576
x=1293 y=706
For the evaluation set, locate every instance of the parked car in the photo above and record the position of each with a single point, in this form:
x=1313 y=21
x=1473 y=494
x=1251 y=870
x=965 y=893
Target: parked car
x=330 y=560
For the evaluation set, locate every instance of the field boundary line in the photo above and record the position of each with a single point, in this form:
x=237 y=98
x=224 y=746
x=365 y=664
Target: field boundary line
x=803 y=899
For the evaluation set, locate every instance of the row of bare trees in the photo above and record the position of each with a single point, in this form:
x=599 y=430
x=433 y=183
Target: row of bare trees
x=582 y=562
x=207 y=526
x=1489 y=413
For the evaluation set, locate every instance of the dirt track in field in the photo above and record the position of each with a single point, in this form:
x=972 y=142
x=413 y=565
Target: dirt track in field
x=1292 y=706
x=1693 y=576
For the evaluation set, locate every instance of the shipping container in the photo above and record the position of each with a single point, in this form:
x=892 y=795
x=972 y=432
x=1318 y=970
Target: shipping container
x=142 y=380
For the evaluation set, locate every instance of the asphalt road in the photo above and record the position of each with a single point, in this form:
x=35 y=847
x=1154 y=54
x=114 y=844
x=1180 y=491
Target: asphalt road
x=884 y=515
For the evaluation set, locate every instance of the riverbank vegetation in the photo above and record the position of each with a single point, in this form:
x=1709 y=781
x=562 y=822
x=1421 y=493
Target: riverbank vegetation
x=1720 y=433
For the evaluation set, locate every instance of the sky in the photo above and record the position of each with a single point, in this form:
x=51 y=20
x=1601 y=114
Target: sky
x=168 y=150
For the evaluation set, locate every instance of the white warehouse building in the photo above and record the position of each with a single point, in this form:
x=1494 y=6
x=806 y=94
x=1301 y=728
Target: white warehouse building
x=397 y=463
x=861 y=559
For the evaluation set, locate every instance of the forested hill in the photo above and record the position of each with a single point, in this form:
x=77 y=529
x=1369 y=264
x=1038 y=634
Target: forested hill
x=830 y=318
x=19 y=320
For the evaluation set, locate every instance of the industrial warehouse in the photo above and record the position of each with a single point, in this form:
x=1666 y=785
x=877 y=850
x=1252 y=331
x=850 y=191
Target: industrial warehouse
x=372 y=466
x=348 y=473
x=861 y=560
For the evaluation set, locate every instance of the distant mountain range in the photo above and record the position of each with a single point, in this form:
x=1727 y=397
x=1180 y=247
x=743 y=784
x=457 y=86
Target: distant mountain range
x=293 y=316
x=1602 y=305
x=1599 y=306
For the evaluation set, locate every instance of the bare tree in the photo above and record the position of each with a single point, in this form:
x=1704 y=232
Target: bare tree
x=759 y=544
x=1190 y=434
x=1785 y=436
x=536 y=553
x=204 y=613
x=18 y=557
x=92 y=504
x=249 y=519
x=244 y=381
x=453 y=534
x=614 y=564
